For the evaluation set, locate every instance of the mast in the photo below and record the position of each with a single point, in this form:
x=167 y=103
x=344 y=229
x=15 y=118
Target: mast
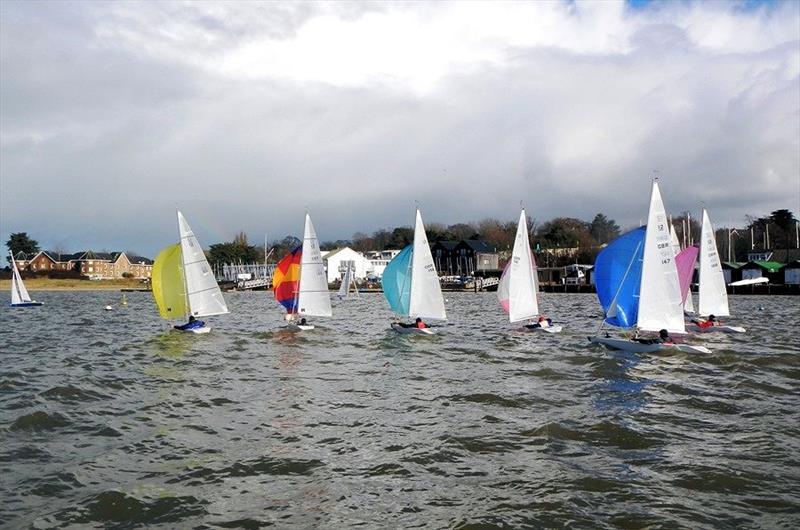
x=181 y=269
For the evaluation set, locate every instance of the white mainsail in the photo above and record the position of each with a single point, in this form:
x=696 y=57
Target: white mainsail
x=313 y=298
x=713 y=296
x=347 y=280
x=345 y=287
x=202 y=292
x=426 y=293
x=521 y=277
x=660 y=305
x=19 y=294
x=688 y=305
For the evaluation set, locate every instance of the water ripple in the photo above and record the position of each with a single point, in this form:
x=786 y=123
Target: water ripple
x=109 y=419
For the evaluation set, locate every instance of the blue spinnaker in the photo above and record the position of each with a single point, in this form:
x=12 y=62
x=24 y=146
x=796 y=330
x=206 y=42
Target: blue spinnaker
x=617 y=277
x=396 y=282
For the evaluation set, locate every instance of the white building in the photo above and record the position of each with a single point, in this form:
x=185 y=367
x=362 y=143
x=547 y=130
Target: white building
x=336 y=263
x=378 y=260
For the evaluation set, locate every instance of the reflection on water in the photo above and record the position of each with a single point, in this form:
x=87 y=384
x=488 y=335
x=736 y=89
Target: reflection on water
x=108 y=418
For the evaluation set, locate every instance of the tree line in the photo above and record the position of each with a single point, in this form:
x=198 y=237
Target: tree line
x=777 y=231
x=561 y=232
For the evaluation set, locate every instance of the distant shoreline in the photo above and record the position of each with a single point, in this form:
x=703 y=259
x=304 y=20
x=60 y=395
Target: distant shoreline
x=46 y=284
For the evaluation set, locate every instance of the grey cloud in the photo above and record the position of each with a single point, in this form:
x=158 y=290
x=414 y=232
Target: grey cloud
x=100 y=142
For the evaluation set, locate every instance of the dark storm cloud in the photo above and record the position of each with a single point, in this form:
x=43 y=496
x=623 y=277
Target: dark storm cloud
x=113 y=114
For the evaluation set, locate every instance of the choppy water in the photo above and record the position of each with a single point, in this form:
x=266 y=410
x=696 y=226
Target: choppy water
x=107 y=419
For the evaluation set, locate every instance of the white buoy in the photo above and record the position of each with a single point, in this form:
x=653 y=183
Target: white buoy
x=108 y=308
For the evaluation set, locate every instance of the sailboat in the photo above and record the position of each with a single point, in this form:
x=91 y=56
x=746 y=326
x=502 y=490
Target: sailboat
x=182 y=282
x=638 y=286
x=19 y=294
x=519 y=283
x=411 y=284
x=347 y=280
x=300 y=284
x=713 y=297
x=684 y=261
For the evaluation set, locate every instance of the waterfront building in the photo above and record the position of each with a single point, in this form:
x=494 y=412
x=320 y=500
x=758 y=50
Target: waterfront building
x=336 y=263
x=95 y=265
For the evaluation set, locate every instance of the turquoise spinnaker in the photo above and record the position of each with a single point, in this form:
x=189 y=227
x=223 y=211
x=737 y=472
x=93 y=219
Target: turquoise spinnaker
x=396 y=282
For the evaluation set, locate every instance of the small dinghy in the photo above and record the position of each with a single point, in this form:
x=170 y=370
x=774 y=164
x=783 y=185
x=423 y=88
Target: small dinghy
x=638 y=285
x=639 y=347
x=412 y=330
x=183 y=284
x=300 y=284
x=19 y=294
x=348 y=279
x=694 y=328
x=518 y=290
x=411 y=284
x=545 y=329
x=713 y=296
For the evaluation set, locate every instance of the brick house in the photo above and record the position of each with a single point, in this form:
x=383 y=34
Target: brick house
x=100 y=265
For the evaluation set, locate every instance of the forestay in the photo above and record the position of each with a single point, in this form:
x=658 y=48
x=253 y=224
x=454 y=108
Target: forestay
x=313 y=297
x=426 y=293
x=660 y=305
x=202 y=291
x=713 y=295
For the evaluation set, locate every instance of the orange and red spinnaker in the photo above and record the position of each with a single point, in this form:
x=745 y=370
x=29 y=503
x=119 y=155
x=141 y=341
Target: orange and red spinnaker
x=286 y=280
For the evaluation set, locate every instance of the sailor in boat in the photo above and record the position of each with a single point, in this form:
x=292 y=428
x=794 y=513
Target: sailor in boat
x=663 y=338
x=418 y=323
x=192 y=324
x=543 y=322
x=303 y=322
x=703 y=324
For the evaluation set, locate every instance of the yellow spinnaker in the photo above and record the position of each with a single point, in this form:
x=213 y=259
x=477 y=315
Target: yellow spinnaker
x=168 y=285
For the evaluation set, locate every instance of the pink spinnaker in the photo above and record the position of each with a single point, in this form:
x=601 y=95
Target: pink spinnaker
x=684 y=261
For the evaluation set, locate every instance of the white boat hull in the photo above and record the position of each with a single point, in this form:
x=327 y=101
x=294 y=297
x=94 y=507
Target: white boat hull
x=32 y=303
x=715 y=329
x=637 y=347
x=548 y=329
x=300 y=327
x=199 y=331
x=412 y=331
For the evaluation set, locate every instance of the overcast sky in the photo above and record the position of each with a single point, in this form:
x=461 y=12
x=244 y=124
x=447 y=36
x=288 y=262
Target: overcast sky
x=244 y=114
